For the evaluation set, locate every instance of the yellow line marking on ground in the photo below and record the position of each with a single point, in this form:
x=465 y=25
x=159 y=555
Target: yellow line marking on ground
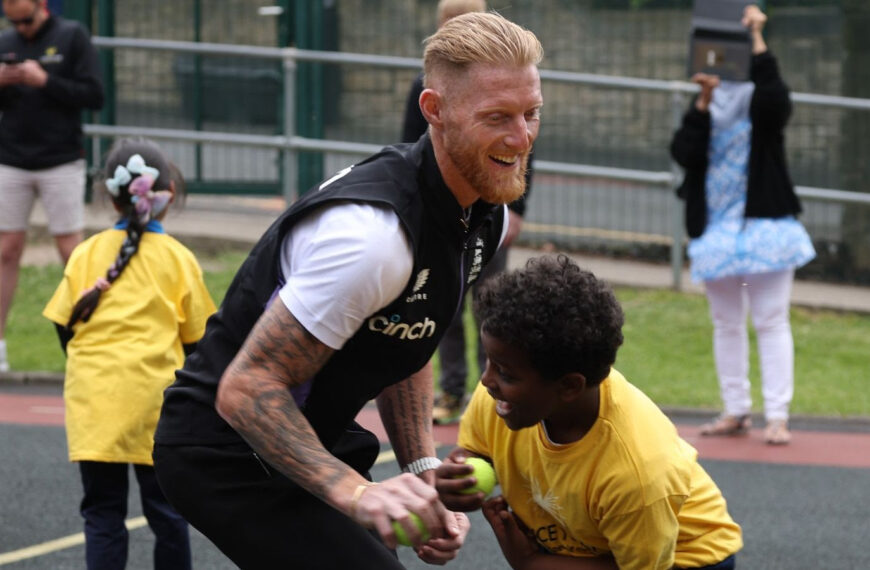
x=384 y=456
x=58 y=544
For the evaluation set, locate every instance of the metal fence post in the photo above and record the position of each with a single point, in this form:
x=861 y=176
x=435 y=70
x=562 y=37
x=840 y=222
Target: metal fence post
x=288 y=153
x=198 y=91
x=677 y=105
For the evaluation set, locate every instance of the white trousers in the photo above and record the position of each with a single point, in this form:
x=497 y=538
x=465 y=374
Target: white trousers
x=766 y=296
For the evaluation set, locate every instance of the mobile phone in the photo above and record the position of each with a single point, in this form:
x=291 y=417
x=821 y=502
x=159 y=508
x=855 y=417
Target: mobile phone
x=11 y=58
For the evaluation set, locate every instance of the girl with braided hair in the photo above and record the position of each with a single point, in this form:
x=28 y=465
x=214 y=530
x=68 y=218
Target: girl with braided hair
x=131 y=304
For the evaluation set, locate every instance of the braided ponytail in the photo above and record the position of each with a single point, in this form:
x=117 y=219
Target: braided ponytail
x=137 y=165
x=86 y=304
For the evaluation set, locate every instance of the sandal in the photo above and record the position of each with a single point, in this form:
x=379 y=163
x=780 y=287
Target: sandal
x=728 y=425
x=776 y=432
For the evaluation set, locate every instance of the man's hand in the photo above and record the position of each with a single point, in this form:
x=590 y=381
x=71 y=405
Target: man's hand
x=452 y=477
x=440 y=551
x=395 y=499
x=9 y=74
x=28 y=73
x=708 y=83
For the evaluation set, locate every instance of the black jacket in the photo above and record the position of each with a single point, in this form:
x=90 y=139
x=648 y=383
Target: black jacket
x=391 y=344
x=42 y=127
x=770 y=192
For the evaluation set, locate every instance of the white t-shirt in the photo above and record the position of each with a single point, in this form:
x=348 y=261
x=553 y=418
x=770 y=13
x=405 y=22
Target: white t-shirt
x=342 y=263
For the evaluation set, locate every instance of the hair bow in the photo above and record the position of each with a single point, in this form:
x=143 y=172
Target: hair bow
x=147 y=202
x=123 y=175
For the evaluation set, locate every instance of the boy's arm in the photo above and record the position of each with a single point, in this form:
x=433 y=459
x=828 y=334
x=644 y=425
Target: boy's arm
x=522 y=551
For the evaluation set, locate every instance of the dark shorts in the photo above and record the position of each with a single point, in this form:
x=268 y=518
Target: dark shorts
x=261 y=519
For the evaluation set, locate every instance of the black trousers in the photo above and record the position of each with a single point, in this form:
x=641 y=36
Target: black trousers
x=260 y=519
x=104 y=508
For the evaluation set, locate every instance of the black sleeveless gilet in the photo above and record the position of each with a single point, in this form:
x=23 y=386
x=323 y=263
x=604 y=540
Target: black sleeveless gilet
x=391 y=344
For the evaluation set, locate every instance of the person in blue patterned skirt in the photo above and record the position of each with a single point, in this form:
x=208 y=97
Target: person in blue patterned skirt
x=746 y=242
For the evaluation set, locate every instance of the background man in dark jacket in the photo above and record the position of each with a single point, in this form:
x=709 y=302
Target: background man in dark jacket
x=48 y=75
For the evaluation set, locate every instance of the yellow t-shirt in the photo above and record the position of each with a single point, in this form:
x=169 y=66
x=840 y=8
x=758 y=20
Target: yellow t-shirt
x=631 y=486
x=121 y=360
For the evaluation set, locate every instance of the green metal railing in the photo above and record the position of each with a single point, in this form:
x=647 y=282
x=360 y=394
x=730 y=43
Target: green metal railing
x=292 y=146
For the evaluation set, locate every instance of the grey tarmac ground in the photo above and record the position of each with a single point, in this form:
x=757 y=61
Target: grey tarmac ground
x=804 y=507
x=797 y=512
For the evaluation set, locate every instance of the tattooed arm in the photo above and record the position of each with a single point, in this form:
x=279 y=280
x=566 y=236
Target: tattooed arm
x=406 y=412
x=254 y=398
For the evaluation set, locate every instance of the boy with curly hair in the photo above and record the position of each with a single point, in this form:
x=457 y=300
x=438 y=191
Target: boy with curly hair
x=593 y=474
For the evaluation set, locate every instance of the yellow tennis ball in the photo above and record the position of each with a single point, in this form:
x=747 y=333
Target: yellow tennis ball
x=402 y=536
x=485 y=475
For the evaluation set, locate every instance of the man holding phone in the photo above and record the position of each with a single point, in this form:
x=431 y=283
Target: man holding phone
x=49 y=73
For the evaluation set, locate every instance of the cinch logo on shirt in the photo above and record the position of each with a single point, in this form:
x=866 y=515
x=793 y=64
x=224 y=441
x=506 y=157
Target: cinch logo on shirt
x=393 y=326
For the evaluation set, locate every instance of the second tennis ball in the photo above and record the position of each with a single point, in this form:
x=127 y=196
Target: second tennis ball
x=485 y=475
x=402 y=536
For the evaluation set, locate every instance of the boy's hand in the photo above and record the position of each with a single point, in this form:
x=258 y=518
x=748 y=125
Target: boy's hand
x=454 y=475
x=513 y=536
x=440 y=551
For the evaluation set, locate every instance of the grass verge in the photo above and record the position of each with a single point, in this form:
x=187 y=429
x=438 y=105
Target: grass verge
x=667 y=351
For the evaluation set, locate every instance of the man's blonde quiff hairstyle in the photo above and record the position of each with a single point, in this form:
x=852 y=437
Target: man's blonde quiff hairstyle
x=478 y=38
x=451 y=8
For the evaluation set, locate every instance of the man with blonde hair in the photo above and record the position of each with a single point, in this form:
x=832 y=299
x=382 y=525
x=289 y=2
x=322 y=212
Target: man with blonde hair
x=344 y=299
x=453 y=375
x=49 y=74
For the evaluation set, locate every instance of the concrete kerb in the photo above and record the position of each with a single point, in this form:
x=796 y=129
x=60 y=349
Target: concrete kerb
x=31 y=377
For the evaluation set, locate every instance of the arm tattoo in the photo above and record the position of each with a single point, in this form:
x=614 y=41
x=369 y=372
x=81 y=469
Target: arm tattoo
x=278 y=355
x=406 y=412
